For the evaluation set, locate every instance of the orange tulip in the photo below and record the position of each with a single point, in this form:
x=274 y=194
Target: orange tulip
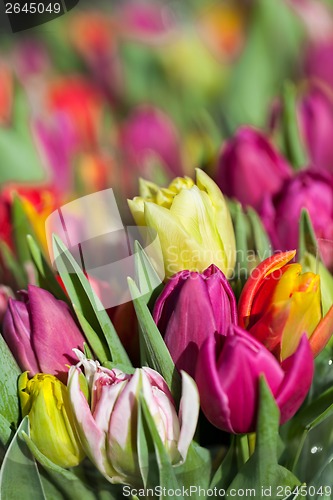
x=279 y=303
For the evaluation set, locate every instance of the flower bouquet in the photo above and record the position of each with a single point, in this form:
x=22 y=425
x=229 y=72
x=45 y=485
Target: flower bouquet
x=220 y=395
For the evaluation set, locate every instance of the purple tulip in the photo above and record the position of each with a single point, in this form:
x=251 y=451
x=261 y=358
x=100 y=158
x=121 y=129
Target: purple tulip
x=150 y=134
x=250 y=166
x=315 y=116
x=41 y=333
x=108 y=425
x=319 y=61
x=281 y=213
x=192 y=307
x=228 y=373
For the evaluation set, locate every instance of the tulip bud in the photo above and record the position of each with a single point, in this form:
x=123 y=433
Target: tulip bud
x=249 y=167
x=192 y=221
x=278 y=305
x=319 y=60
x=45 y=400
x=108 y=427
x=41 y=333
x=315 y=118
x=281 y=213
x=228 y=373
x=192 y=307
x=150 y=133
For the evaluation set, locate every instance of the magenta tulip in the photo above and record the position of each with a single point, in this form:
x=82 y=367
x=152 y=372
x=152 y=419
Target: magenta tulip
x=228 y=373
x=250 y=166
x=319 y=61
x=281 y=213
x=192 y=307
x=149 y=134
x=315 y=116
x=41 y=333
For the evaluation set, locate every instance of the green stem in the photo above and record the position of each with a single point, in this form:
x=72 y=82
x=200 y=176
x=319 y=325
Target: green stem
x=251 y=439
x=243 y=447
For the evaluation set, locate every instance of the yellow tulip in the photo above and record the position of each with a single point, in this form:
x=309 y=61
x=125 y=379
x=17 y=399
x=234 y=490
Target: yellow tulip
x=192 y=222
x=45 y=399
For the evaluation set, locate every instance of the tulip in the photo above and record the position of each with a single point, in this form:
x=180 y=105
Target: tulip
x=150 y=134
x=249 y=167
x=319 y=61
x=108 y=425
x=192 y=307
x=192 y=222
x=281 y=213
x=228 y=372
x=41 y=333
x=278 y=305
x=45 y=399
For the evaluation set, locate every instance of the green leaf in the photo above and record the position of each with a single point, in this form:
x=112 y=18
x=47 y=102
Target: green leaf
x=19 y=476
x=196 y=469
x=227 y=469
x=67 y=481
x=15 y=269
x=45 y=276
x=20 y=161
x=146 y=456
x=86 y=301
x=293 y=145
x=158 y=355
x=307 y=238
x=9 y=404
x=146 y=276
x=262 y=469
x=167 y=476
x=262 y=244
x=21 y=228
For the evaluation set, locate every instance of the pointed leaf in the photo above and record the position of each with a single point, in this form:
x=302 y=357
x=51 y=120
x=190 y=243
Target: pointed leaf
x=68 y=481
x=45 y=276
x=19 y=476
x=9 y=405
x=87 y=302
x=159 y=357
x=307 y=237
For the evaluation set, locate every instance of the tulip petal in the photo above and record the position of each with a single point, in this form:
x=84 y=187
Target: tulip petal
x=214 y=401
x=299 y=369
x=16 y=332
x=188 y=413
x=55 y=332
x=322 y=333
x=225 y=309
x=180 y=250
x=92 y=438
x=255 y=281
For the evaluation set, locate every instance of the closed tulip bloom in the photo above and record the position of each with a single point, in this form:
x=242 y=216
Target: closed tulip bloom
x=192 y=307
x=279 y=304
x=281 y=213
x=228 y=372
x=45 y=400
x=315 y=117
x=150 y=134
x=41 y=333
x=249 y=167
x=192 y=222
x=108 y=425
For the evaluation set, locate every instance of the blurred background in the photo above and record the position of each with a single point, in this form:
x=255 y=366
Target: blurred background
x=106 y=94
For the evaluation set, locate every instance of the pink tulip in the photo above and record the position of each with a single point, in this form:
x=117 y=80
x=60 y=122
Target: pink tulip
x=228 y=373
x=108 y=425
x=150 y=134
x=191 y=307
x=41 y=333
x=249 y=167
